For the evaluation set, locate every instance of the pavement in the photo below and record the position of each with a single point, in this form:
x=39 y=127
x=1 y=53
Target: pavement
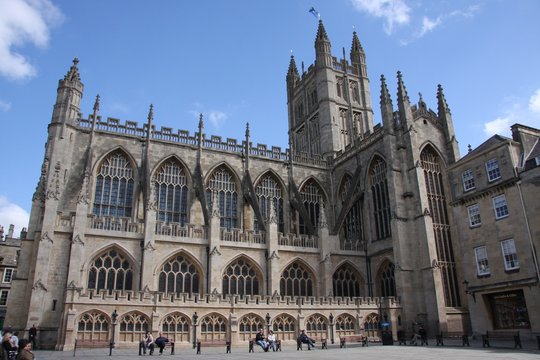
x=503 y=350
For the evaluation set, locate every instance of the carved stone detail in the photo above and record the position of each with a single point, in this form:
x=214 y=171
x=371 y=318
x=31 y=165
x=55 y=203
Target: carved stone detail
x=46 y=237
x=38 y=285
x=77 y=239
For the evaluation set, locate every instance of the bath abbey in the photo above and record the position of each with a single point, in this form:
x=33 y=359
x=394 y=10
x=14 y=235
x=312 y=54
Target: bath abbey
x=356 y=228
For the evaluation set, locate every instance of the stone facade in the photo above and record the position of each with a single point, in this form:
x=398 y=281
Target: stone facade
x=349 y=230
x=9 y=252
x=496 y=197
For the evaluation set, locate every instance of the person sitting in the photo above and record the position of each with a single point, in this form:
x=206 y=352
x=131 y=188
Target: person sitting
x=271 y=338
x=423 y=335
x=161 y=341
x=306 y=340
x=148 y=343
x=261 y=341
x=25 y=352
x=7 y=347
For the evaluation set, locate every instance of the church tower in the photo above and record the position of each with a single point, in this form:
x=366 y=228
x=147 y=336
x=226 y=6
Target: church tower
x=330 y=103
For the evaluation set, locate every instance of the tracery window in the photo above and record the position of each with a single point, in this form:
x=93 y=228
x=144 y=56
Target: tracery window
x=269 y=193
x=175 y=327
x=223 y=185
x=114 y=186
x=249 y=325
x=284 y=326
x=381 y=202
x=312 y=197
x=351 y=234
x=171 y=189
x=179 y=275
x=315 y=136
x=296 y=280
x=213 y=327
x=345 y=128
x=240 y=278
x=433 y=176
x=345 y=325
x=133 y=326
x=372 y=326
x=316 y=325
x=93 y=325
x=346 y=282
x=387 y=281
x=111 y=271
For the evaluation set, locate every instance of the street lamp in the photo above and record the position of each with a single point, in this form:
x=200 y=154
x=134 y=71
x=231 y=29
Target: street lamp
x=114 y=316
x=194 y=319
x=331 y=318
x=267 y=323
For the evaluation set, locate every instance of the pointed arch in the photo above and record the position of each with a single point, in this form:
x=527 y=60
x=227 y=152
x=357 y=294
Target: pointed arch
x=284 y=326
x=386 y=279
x=313 y=198
x=316 y=325
x=249 y=325
x=242 y=276
x=351 y=235
x=270 y=192
x=213 y=327
x=111 y=269
x=176 y=326
x=223 y=182
x=180 y=273
x=171 y=182
x=430 y=146
x=372 y=327
x=345 y=324
x=378 y=182
x=297 y=279
x=93 y=325
x=347 y=281
x=133 y=326
x=114 y=180
x=434 y=174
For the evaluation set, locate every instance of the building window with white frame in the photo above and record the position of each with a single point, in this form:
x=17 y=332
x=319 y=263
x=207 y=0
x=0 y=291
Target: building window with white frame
x=474 y=215
x=509 y=254
x=482 y=264
x=493 y=171
x=8 y=275
x=468 y=180
x=500 y=207
x=3 y=297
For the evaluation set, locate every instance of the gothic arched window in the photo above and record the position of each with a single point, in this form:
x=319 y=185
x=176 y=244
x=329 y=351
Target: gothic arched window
x=213 y=327
x=296 y=280
x=240 y=278
x=284 y=326
x=351 y=236
x=114 y=186
x=316 y=325
x=171 y=190
x=93 y=325
x=133 y=326
x=175 y=327
x=434 y=179
x=372 y=326
x=387 y=281
x=249 y=325
x=345 y=325
x=312 y=197
x=111 y=271
x=381 y=202
x=179 y=275
x=269 y=193
x=223 y=185
x=346 y=282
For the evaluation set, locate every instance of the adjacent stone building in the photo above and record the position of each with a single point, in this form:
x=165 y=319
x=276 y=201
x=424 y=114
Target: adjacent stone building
x=9 y=252
x=349 y=230
x=496 y=200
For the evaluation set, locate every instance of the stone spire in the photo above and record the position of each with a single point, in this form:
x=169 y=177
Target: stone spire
x=247 y=146
x=358 y=56
x=73 y=73
x=442 y=105
x=404 y=105
x=150 y=121
x=292 y=72
x=445 y=118
x=387 y=109
x=68 y=96
x=95 y=114
x=323 y=48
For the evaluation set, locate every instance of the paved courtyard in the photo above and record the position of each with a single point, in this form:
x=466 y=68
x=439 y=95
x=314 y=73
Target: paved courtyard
x=376 y=351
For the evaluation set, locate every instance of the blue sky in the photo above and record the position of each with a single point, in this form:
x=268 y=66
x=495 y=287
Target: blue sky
x=228 y=60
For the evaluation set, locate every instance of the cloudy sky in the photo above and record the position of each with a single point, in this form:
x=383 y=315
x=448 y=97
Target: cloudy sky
x=228 y=59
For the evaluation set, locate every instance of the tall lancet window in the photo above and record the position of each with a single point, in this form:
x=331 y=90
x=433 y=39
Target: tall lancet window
x=171 y=189
x=312 y=197
x=269 y=194
x=114 y=186
x=379 y=195
x=345 y=130
x=223 y=185
x=433 y=176
x=351 y=236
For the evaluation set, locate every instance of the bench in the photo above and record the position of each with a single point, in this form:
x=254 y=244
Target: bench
x=501 y=335
x=452 y=335
x=356 y=338
x=252 y=344
x=92 y=344
x=213 y=343
x=141 y=347
x=316 y=339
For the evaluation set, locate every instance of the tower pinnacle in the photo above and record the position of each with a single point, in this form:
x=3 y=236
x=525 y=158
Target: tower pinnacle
x=73 y=72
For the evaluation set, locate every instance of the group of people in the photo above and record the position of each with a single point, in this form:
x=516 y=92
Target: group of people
x=266 y=342
x=14 y=348
x=148 y=343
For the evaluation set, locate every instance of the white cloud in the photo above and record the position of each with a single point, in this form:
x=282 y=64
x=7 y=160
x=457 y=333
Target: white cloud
x=11 y=213
x=217 y=118
x=534 y=102
x=429 y=25
x=394 y=12
x=5 y=106
x=467 y=13
x=22 y=22
x=500 y=125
